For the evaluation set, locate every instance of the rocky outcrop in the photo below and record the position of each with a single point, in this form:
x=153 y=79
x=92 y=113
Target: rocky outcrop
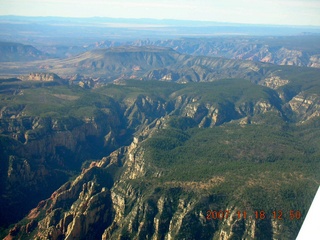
x=119 y=62
x=208 y=69
x=274 y=82
x=42 y=152
x=143 y=110
x=163 y=75
x=47 y=77
x=252 y=62
x=90 y=209
x=99 y=205
x=315 y=61
x=213 y=114
x=80 y=209
x=305 y=106
x=273 y=50
x=119 y=196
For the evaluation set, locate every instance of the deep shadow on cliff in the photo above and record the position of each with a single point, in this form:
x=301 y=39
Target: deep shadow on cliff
x=156 y=156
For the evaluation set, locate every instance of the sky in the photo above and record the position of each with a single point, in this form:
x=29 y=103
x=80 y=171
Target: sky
x=279 y=12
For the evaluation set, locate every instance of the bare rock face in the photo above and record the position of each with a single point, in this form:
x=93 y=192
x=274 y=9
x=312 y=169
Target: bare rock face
x=205 y=69
x=46 y=77
x=305 y=106
x=98 y=204
x=163 y=74
x=144 y=109
x=314 y=61
x=31 y=226
x=115 y=197
x=95 y=206
x=245 y=49
x=80 y=210
x=37 y=147
x=274 y=82
x=209 y=115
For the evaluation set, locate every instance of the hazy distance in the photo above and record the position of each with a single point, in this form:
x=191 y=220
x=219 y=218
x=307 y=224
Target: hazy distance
x=274 y=12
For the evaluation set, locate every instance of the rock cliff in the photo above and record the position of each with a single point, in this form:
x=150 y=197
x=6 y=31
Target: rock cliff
x=276 y=50
x=135 y=138
x=101 y=203
x=43 y=77
x=46 y=151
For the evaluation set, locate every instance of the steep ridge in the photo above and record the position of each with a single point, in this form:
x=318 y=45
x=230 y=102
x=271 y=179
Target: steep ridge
x=155 y=63
x=16 y=52
x=45 y=138
x=101 y=66
x=136 y=205
x=124 y=62
x=48 y=131
x=163 y=184
x=207 y=69
x=293 y=50
x=300 y=50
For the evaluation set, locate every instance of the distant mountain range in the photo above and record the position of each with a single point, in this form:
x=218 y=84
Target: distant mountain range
x=152 y=63
x=296 y=51
x=146 y=142
x=17 y=52
x=49 y=31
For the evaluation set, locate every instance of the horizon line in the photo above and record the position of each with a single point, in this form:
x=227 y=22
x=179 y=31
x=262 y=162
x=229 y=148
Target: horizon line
x=167 y=19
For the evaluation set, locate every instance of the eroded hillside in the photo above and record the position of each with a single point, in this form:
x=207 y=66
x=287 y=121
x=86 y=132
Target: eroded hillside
x=101 y=66
x=161 y=155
